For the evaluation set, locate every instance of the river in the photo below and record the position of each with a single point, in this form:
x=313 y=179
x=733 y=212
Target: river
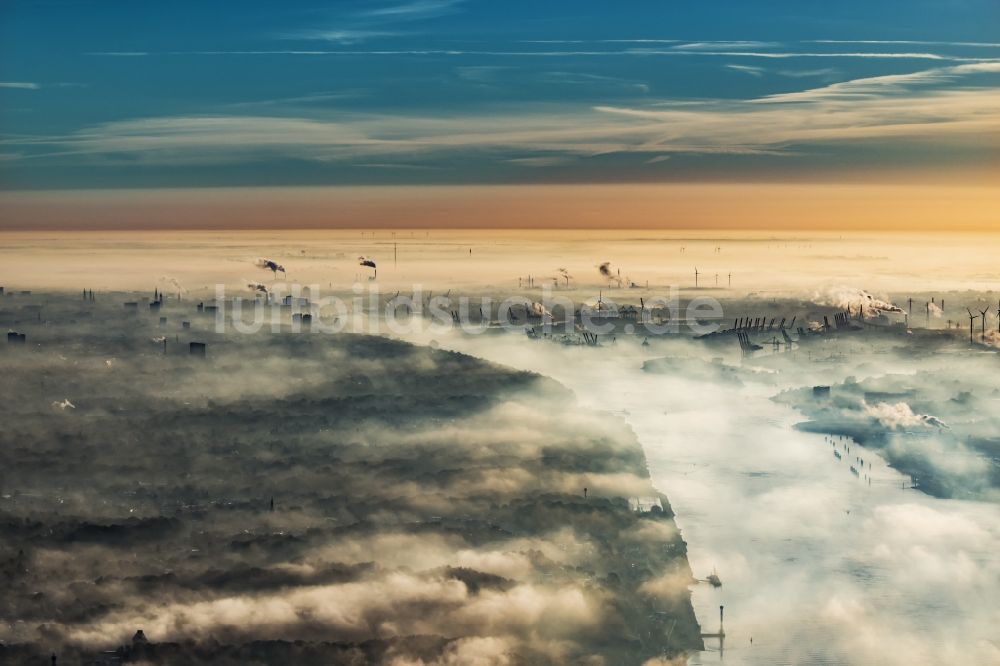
x=818 y=565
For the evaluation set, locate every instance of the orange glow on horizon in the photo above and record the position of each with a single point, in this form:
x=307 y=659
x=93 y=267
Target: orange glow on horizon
x=778 y=207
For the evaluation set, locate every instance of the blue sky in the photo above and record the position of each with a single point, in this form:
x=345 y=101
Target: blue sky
x=116 y=94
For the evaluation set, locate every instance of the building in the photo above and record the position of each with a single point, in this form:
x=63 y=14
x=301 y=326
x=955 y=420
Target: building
x=645 y=504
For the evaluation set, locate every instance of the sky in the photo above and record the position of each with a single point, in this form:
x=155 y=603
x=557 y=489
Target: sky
x=114 y=96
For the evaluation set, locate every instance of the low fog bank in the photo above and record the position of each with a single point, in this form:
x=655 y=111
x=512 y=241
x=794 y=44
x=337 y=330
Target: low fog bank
x=818 y=564
x=917 y=390
x=937 y=426
x=730 y=264
x=428 y=507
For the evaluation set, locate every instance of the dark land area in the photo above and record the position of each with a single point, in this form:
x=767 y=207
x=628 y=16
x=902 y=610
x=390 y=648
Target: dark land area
x=297 y=498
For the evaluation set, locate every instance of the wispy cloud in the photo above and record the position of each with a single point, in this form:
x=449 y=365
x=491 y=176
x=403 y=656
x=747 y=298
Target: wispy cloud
x=414 y=10
x=344 y=36
x=369 y=24
x=635 y=53
x=701 y=44
x=120 y=54
x=232 y=139
x=691 y=45
x=302 y=100
x=804 y=54
x=782 y=124
x=806 y=73
x=715 y=46
x=904 y=107
x=876 y=86
x=541 y=162
x=747 y=69
x=991 y=45
x=27 y=85
x=600 y=41
x=595 y=81
x=397 y=166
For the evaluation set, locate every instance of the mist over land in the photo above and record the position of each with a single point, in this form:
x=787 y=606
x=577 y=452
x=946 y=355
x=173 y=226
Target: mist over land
x=305 y=499
x=430 y=507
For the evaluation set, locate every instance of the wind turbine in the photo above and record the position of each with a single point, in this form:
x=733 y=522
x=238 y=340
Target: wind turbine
x=695 y=277
x=983 y=313
x=972 y=318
